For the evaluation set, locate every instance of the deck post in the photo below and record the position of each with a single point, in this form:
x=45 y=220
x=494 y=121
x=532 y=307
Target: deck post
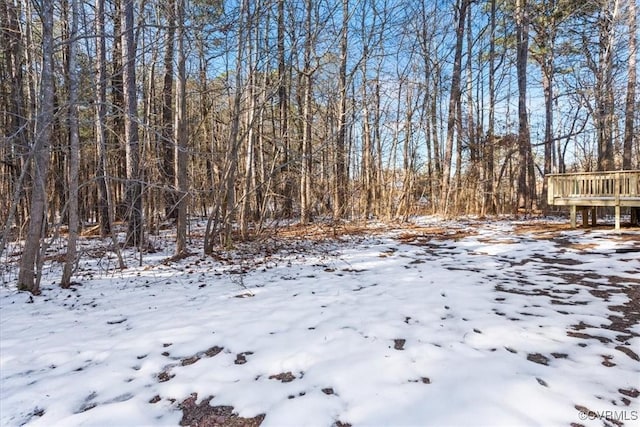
x=616 y=192
x=585 y=217
x=551 y=191
x=573 y=216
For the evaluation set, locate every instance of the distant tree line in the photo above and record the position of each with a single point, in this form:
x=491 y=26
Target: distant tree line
x=240 y=112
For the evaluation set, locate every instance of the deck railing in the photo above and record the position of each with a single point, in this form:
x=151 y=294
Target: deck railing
x=591 y=189
x=590 y=186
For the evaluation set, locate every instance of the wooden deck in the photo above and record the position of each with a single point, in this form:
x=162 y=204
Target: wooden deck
x=589 y=190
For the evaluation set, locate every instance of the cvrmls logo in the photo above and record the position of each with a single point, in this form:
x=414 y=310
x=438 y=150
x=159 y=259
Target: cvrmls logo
x=609 y=415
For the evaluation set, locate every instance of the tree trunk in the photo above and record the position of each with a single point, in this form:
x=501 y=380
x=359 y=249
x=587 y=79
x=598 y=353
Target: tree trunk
x=340 y=154
x=629 y=133
x=167 y=131
x=524 y=143
x=74 y=148
x=16 y=128
x=133 y=183
x=367 y=157
x=249 y=119
x=547 y=86
x=104 y=208
x=31 y=263
x=181 y=136
x=489 y=197
x=234 y=131
x=305 y=173
x=116 y=114
x=454 y=98
x=283 y=110
x=604 y=85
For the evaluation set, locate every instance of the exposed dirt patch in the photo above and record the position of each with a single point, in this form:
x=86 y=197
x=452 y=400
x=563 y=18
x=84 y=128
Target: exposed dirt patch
x=561 y=261
x=166 y=373
x=573 y=334
x=213 y=351
x=241 y=358
x=398 y=343
x=189 y=360
x=329 y=230
x=626 y=350
x=626 y=315
x=548 y=229
x=541 y=229
x=538 y=358
x=285 y=377
x=631 y=392
x=422 y=235
x=165 y=376
x=205 y=415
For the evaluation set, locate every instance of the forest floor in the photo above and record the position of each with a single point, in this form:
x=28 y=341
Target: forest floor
x=430 y=323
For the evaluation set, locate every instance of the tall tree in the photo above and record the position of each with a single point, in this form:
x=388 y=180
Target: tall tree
x=167 y=131
x=231 y=160
x=250 y=117
x=116 y=111
x=489 y=205
x=545 y=25
x=454 y=101
x=16 y=128
x=74 y=147
x=524 y=141
x=132 y=138
x=104 y=209
x=340 y=153
x=283 y=110
x=604 y=91
x=181 y=136
x=629 y=118
x=305 y=173
x=31 y=263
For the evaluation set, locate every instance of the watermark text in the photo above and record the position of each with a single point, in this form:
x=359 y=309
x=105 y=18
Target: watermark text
x=610 y=415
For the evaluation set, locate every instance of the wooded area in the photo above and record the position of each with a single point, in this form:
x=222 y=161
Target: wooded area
x=149 y=113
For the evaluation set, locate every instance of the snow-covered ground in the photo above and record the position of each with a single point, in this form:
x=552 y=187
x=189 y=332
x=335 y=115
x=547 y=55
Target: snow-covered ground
x=476 y=324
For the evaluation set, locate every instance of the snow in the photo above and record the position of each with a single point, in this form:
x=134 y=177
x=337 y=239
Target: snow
x=444 y=329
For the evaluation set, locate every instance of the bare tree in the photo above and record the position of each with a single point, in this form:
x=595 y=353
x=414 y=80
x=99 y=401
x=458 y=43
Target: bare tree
x=489 y=203
x=104 y=208
x=283 y=111
x=16 y=128
x=74 y=148
x=231 y=160
x=31 y=263
x=167 y=131
x=340 y=152
x=630 y=131
x=524 y=142
x=181 y=136
x=454 y=98
x=545 y=26
x=132 y=142
x=604 y=84
x=307 y=71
